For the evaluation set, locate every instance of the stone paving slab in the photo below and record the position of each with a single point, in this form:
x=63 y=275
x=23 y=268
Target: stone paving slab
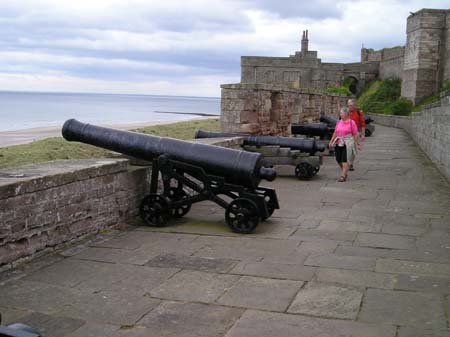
x=385 y=241
x=358 y=278
x=96 y=276
x=415 y=332
x=94 y=330
x=54 y=326
x=171 y=319
x=195 y=286
x=261 y=293
x=327 y=300
x=275 y=270
x=343 y=262
x=267 y=324
x=403 y=308
x=191 y=262
x=412 y=267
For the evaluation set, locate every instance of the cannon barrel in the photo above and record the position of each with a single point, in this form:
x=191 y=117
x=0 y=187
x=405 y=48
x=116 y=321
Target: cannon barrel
x=311 y=129
x=307 y=145
x=330 y=120
x=237 y=167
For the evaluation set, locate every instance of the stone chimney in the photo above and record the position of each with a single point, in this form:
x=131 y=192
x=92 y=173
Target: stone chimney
x=305 y=42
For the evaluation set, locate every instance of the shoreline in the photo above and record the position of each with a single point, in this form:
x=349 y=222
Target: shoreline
x=25 y=136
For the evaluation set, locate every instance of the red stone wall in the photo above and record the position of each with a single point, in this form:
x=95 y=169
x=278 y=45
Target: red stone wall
x=270 y=110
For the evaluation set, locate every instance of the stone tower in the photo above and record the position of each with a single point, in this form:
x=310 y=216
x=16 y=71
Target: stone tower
x=305 y=42
x=426 y=64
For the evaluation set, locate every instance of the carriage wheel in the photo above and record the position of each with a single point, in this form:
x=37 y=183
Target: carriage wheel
x=304 y=170
x=242 y=215
x=155 y=210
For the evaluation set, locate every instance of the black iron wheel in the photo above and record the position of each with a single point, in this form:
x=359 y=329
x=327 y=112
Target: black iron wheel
x=304 y=170
x=155 y=210
x=242 y=215
x=177 y=194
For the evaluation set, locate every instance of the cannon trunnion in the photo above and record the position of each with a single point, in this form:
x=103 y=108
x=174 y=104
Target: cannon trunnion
x=190 y=172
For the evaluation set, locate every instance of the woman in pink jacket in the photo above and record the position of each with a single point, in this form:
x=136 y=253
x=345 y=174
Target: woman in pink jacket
x=345 y=139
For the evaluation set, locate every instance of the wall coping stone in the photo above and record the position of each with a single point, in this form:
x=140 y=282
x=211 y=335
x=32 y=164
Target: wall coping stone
x=32 y=178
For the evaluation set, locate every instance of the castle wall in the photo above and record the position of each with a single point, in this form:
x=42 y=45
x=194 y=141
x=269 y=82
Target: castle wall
x=421 y=75
x=49 y=205
x=391 y=63
x=266 y=109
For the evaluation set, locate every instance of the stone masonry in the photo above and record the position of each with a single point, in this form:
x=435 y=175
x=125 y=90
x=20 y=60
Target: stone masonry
x=304 y=70
x=265 y=109
x=43 y=207
x=427 y=53
x=423 y=64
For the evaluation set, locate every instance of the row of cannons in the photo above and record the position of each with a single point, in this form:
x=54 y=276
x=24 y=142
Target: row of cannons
x=325 y=127
x=192 y=172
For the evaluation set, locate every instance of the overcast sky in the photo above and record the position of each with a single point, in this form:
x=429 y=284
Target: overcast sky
x=179 y=47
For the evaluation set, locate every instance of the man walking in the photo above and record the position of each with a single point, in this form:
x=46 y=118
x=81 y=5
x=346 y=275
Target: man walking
x=358 y=116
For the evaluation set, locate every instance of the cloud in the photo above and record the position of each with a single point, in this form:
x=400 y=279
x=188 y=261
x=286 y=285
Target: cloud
x=162 y=45
x=321 y=9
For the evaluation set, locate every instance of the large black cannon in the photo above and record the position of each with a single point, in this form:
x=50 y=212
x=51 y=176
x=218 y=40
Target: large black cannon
x=322 y=130
x=298 y=152
x=191 y=172
x=306 y=145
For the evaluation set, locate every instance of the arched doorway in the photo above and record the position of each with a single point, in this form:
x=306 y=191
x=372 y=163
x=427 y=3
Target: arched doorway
x=351 y=83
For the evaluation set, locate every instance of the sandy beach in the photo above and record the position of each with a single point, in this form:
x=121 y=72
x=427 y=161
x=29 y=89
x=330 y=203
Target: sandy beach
x=8 y=138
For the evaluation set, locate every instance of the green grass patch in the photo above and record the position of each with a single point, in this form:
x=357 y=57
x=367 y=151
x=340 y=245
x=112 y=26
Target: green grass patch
x=58 y=148
x=339 y=90
x=381 y=96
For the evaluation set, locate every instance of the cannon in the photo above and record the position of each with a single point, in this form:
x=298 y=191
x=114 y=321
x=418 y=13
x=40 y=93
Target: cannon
x=298 y=152
x=370 y=128
x=191 y=172
x=306 y=145
x=329 y=120
x=322 y=130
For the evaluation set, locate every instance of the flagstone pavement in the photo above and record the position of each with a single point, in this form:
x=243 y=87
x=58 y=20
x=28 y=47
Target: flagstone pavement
x=366 y=258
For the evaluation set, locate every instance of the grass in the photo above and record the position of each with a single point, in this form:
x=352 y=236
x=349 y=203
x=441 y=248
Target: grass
x=380 y=96
x=58 y=148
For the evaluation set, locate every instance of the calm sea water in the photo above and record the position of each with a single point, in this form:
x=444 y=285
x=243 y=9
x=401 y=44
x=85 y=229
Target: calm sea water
x=19 y=110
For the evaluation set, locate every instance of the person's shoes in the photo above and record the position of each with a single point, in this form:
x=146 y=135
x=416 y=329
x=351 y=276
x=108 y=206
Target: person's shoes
x=351 y=168
x=342 y=179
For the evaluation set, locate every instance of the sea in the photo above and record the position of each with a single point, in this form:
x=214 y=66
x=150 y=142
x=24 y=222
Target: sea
x=25 y=110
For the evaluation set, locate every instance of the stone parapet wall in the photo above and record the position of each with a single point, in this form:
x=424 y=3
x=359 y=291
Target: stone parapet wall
x=43 y=207
x=266 y=109
x=430 y=128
